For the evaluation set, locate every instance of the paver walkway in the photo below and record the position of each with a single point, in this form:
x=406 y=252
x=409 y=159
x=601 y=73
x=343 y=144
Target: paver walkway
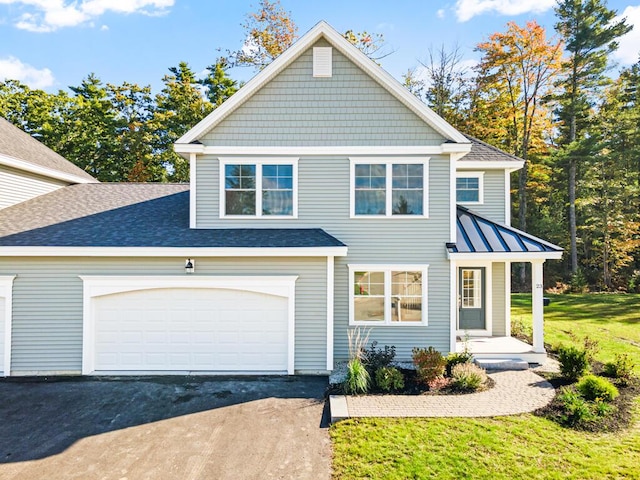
x=514 y=392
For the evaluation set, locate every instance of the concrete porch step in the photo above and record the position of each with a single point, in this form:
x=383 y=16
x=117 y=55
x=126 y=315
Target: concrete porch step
x=502 y=363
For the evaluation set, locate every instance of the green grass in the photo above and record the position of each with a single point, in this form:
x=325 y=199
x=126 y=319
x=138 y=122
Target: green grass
x=612 y=320
x=523 y=446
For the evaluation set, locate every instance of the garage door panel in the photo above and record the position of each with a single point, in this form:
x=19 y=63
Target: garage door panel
x=191 y=329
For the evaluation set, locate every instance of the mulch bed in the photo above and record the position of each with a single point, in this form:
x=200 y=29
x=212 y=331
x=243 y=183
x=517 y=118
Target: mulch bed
x=620 y=418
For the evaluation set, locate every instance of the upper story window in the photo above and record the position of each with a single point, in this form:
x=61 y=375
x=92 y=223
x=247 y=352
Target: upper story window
x=388 y=294
x=258 y=188
x=389 y=187
x=469 y=187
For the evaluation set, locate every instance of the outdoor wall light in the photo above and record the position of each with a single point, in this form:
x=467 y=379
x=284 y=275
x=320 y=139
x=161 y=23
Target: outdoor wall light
x=189 y=265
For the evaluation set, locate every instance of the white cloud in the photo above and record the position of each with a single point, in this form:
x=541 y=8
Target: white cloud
x=50 y=15
x=104 y=28
x=467 y=9
x=440 y=13
x=629 y=50
x=12 y=68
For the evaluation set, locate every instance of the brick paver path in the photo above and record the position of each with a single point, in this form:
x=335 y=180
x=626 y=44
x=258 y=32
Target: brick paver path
x=514 y=392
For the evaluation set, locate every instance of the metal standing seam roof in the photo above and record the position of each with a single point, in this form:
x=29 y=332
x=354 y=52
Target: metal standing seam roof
x=133 y=215
x=477 y=234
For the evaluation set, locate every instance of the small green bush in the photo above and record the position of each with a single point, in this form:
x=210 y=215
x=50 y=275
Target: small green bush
x=389 y=379
x=429 y=364
x=592 y=388
x=454 y=359
x=576 y=410
x=574 y=362
x=621 y=368
x=521 y=329
x=376 y=358
x=467 y=377
x=358 y=378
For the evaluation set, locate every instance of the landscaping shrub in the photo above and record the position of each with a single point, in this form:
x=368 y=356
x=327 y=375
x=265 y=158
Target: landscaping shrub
x=389 y=379
x=467 y=377
x=376 y=358
x=521 y=330
x=439 y=383
x=621 y=368
x=592 y=388
x=576 y=410
x=454 y=359
x=358 y=378
x=429 y=364
x=574 y=362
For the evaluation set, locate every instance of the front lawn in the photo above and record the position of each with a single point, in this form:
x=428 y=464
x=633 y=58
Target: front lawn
x=612 y=320
x=524 y=446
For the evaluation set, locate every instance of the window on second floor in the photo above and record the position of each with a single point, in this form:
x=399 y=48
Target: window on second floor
x=469 y=187
x=252 y=188
x=388 y=188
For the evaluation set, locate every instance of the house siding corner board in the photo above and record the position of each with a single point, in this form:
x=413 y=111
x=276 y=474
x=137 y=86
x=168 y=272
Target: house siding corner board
x=297 y=109
x=17 y=186
x=47 y=334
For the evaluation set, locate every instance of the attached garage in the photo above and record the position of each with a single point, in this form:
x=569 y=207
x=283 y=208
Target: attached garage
x=188 y=324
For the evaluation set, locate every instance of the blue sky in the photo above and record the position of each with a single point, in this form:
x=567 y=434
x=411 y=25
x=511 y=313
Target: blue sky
x=52 y=44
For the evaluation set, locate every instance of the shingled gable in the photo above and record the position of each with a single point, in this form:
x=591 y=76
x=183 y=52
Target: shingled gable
x=456 y=142
x=21 y=151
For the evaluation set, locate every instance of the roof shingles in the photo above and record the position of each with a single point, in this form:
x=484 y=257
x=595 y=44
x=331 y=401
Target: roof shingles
x=133 y=215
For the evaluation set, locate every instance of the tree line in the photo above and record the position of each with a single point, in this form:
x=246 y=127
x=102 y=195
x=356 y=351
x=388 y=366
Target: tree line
x=550 y=98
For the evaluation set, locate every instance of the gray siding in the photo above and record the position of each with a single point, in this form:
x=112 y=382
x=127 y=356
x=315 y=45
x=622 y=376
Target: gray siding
x=494 y=195
x=47 y=333
x=324 y=202
x=296 y=109
x=17 y=186
x=498 y=300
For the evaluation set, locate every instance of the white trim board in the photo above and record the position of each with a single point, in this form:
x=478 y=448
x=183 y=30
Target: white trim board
x=98 y=285
x=6 y=292
x=336 y=40
x=226 y=151
x=185 y=252
x=44 y=171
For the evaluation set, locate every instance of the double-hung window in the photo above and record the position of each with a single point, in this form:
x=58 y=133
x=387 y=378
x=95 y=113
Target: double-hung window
x=389 y=187
x=388 y=294
x=252 y=188
x=469 y=187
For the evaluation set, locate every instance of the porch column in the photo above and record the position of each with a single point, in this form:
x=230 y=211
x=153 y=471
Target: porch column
x=537 y=305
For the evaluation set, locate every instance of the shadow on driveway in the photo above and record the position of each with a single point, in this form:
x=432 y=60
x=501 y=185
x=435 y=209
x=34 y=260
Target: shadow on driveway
x=164 y=427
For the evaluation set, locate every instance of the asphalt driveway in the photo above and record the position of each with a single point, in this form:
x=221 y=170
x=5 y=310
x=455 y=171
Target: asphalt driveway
x=164 y=428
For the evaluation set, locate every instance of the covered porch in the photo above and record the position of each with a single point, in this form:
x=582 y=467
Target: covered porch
x=481 y=261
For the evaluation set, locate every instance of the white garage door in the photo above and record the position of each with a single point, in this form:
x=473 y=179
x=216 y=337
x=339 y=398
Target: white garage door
x=191 y=329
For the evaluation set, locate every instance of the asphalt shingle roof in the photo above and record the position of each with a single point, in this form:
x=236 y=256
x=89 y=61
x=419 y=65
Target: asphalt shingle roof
x=133 y=215
x=22 y=146
x=475 y=233
x=483 y=152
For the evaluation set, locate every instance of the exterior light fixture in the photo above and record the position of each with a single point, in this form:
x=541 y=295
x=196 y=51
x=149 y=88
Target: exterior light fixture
x=189 y=265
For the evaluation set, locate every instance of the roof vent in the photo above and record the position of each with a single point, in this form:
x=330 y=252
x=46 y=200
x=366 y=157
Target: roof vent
x=322 y=61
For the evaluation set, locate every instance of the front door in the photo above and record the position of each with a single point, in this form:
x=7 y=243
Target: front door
x=471 y=299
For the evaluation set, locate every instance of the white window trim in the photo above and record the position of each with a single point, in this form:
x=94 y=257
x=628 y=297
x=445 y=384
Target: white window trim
x=480 y=177
x=387 y=269
x=258 y=162
x=389 y=162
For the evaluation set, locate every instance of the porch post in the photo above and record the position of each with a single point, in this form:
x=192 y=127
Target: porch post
x=537 y=305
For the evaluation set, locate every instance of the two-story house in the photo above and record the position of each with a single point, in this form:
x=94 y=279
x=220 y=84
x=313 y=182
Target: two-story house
x=323 y=196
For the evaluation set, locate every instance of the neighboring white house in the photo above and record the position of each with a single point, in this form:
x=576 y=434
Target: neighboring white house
x=323 y=196
x=28 y=168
